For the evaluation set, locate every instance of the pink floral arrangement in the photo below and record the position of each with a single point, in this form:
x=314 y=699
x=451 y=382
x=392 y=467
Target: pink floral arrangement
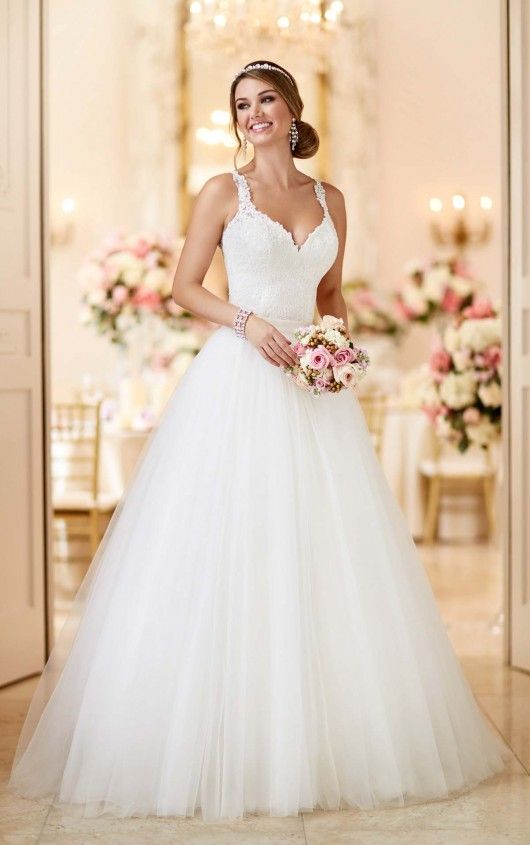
x=128 y=278
x=463 y=396
x=328 y=361
x=438 y=286
x=370 y=310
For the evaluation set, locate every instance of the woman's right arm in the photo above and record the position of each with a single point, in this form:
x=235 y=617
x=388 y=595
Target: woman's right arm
x=210 y=213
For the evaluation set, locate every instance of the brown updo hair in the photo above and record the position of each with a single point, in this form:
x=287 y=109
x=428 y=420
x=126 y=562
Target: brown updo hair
x=308 y=140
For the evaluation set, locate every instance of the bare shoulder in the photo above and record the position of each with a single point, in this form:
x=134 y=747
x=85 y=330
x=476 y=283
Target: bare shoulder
x=218 y=187
x=334 y=196
x=216 y=199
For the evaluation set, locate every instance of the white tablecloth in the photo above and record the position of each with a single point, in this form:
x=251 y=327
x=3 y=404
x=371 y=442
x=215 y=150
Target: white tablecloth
x=408 y=439
x=120 y=450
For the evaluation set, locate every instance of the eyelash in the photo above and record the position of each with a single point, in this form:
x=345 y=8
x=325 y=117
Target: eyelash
x=268 y=97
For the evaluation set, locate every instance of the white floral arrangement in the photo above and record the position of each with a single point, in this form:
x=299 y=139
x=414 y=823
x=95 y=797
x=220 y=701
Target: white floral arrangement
x=127 y=281
x=430 y=288
x=463 y=397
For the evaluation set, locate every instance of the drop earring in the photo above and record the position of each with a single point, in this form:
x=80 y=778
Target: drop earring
x=245 y=147
x=293 y=133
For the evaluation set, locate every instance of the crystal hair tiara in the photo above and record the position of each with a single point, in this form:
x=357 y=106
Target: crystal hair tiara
x=262 y=66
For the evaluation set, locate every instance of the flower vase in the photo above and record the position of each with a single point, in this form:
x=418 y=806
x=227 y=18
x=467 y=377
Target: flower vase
x=131 y=388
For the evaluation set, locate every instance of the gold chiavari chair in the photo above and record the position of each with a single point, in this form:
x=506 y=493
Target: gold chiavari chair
x=75 y=447
x=374 y=406
x=452 y=473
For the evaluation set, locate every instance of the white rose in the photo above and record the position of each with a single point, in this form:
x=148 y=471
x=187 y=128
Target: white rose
x=156 y=279
x=458 y=389
x=414 y=298
x=334 y=337
x=305 y=360
x=124 y=322
x=96 y=296
x=331 y=322
x=482 y=433
x=429 y=395
x=462 y=287
x=490 y=394
x=478 y=334
x=452 y=340
x=126 y=266
x=443 y=427
x=462 y=359
x=435 y=282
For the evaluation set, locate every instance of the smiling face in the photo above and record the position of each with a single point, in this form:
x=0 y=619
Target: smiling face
x=263 y=116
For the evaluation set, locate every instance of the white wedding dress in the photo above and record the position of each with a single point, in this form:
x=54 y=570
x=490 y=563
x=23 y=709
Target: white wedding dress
x=256 y=632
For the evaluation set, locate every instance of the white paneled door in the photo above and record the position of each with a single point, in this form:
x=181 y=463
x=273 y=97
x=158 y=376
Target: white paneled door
x=519 y=335
x=22 y=499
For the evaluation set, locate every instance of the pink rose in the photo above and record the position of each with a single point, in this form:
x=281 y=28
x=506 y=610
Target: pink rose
x=471 y=416
x=149 y=299
x=479 y=309
x=403 y=314
x=484 y=375
x=152 y=259
x=141 y=247
x=120 y=294
x=344 y=355
x=440 y=360
x=451 y=302
x=298 y=348
x=432 y=411
x=344 y=373
x=492 y=356
x=321 y=383
x=320 y=358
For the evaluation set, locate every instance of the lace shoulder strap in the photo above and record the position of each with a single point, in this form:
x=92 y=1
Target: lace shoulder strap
x=243 y=192
x=321 y=195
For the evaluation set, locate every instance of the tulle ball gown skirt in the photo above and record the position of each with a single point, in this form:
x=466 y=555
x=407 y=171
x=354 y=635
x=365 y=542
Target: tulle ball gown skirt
x=256 y=632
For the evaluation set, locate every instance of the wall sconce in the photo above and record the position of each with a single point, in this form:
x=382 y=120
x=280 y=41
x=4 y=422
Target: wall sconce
x=459 y=233
x=219 y=135
x=62 y=229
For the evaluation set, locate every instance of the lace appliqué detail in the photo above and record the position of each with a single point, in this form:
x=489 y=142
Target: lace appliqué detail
x=268 y=272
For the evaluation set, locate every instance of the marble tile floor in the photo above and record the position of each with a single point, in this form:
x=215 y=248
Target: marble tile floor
x=467 y=582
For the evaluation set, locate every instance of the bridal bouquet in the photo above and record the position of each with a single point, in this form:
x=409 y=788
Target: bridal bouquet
x=328 y=361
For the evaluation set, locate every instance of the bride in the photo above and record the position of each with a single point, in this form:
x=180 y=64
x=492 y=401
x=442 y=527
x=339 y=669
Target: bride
x=256 y=632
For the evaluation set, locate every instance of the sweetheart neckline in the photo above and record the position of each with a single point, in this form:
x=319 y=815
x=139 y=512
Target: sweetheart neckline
x=297 y=246
x=268 y=218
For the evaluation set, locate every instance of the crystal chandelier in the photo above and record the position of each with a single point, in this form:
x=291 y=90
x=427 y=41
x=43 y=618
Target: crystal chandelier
x=259 y=25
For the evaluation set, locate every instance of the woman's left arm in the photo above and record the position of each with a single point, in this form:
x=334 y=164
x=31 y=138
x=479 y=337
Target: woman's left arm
x=329 y=291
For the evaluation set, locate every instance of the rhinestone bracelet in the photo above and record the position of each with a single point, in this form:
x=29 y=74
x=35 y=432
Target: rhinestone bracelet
x=240 y=322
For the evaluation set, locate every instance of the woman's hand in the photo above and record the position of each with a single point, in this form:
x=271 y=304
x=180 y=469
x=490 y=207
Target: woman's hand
x=270 y=342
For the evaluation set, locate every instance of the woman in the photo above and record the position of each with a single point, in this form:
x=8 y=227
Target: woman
x=256 y=632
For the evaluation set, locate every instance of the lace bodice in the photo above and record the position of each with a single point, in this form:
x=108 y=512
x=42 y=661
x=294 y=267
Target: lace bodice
x=267 y=271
